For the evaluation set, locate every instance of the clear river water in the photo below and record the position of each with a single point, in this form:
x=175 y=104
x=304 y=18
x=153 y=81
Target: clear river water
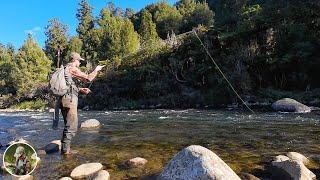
x=246 y=142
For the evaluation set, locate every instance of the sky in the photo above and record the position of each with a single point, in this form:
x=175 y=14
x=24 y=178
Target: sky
x=20 y=17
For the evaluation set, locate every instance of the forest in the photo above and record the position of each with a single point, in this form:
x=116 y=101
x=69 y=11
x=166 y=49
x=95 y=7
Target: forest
x=267 y=50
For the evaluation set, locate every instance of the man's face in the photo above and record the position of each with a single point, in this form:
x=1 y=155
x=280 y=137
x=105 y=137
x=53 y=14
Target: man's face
x=77 y=63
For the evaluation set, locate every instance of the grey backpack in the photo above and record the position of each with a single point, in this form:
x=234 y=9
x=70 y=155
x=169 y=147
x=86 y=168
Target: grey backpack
x=57 y=83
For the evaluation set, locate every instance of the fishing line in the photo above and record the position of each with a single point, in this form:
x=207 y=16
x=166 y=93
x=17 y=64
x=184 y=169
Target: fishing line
x=195 y=33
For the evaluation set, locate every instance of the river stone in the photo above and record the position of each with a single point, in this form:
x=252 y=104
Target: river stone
x=289 y=169
x=298 y=157
x=290 y=105
x=51 y=148
x=91 y=123
x=26 y=177
x=197 y=162
x=137 y=162
x=85 y=170
x=281 y=158
x=65 y=178
x=102 y=175
x=246 y=176
x=58 y=142
x=41 y=152
x=19 y=140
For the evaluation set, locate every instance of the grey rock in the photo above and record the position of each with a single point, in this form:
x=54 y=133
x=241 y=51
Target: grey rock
x=197 y=162
x=297 y=157
x=288 y=169
x=290 y=105
x=86 y=170
x=65 y=178
x=91 y=123
x=51 y=148
x=102 y=175
x=246 y=176
x=137 y=162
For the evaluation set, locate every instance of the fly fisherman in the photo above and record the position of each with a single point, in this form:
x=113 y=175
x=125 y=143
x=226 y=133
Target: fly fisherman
x=22 y=166
x=68 y=103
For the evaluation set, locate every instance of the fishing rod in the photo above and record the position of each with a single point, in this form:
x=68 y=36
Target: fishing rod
x=195 y=33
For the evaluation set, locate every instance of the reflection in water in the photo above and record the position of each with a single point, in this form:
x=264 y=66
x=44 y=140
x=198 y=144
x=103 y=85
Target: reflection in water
x=246 y=142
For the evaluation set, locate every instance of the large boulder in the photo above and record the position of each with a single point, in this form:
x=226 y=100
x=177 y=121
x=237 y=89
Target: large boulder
x=197 y=162
x=90 y=124
x=290 y=105
x=285 y=168
x=297 y=157
x=85 y=170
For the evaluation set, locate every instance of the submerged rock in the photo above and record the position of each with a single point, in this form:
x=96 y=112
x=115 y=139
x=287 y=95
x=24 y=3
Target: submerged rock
x=91 y=123
x=51 y=148
x=197 y=162
x=290 y=105
x=285 y=168
x=246 y=176
x=86 y=170
x=102 y=175
x=137 y=162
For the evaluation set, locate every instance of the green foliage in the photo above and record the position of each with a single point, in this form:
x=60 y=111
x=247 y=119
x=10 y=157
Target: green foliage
x=148 y=32
x=194 y=14
x=75 y=45
x=57 y=34
x=37 y=104
x=85 y=31
x=32 y=68
x=166 y=17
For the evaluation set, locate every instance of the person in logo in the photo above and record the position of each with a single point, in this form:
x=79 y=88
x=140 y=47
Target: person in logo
x=22 y=165
x=69 y=102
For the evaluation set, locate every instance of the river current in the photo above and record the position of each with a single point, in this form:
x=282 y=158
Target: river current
x=246 y=142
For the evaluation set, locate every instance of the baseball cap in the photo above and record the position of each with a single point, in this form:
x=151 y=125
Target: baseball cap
x=19 y=151
x=75 y=56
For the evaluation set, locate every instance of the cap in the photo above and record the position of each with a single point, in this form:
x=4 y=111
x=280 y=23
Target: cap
x=75 y=56
x=19 y=151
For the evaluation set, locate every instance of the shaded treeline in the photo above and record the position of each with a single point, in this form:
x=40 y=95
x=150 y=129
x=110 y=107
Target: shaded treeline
x=267 y=49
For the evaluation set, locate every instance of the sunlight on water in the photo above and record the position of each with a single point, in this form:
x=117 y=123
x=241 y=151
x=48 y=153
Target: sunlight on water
x=246 y=142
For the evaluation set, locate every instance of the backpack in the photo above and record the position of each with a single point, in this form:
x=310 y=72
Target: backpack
x=57 y=83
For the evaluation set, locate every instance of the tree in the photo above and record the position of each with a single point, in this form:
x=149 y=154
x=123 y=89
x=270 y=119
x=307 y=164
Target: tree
x=32 y=69
x=57 y=40
x=74 y=45
x=194 y=14
x=148 y=32
x=129 y=13
x=84 y=30
x=7 y=66
x=166 y=17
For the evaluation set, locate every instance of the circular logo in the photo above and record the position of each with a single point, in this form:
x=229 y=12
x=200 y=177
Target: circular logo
x=20 y=159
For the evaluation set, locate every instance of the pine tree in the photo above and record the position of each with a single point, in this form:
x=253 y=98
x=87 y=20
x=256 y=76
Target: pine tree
x=85 y=30
x=148 y=32
x=166 y=17
x=74 y=45
x=7 y=65
x=32 y=68
x=57 y=34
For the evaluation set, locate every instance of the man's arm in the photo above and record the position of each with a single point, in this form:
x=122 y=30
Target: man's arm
x=81 y=75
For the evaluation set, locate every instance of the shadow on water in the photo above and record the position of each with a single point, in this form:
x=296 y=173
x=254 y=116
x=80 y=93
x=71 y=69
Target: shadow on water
x=246 y=142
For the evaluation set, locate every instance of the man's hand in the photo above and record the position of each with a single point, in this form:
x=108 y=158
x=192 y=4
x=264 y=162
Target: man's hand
x=98 y=68
x=85 y=90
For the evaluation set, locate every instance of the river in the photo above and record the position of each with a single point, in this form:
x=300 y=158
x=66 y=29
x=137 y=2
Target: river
x=246 y=142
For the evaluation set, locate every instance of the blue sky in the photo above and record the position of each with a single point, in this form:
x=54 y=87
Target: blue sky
x=18 y=17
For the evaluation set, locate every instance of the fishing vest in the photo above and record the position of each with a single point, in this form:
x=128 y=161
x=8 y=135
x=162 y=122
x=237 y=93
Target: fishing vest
x=74 y=84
